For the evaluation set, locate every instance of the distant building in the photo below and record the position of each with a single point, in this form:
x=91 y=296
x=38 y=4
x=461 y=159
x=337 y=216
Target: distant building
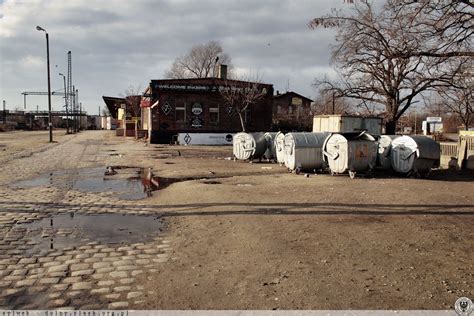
x=125 y=115
x=291 y=111
x=341 y=123
x=173 y=106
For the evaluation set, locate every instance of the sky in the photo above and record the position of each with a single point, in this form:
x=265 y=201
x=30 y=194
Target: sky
x=116 y=44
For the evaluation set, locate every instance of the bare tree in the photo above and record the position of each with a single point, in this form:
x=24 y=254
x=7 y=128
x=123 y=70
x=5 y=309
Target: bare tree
x=132 y=97
x=199 y=62
x=378 y=61
x=240 y=94
x=446 y=26
x=105 y=112
x=458 y=98
x=329 y=102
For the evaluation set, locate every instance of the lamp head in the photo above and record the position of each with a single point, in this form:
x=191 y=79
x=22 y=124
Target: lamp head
x=61 y=74
x=39 y=28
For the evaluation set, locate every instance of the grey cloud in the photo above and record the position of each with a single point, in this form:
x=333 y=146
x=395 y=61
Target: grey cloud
x=115 y=44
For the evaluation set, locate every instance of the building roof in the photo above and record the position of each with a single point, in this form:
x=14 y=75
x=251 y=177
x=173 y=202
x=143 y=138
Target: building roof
x=292 y=94
x=113 y=104
x=206 y=82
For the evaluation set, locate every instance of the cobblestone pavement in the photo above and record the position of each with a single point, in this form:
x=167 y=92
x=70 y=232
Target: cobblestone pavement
x=90 y=274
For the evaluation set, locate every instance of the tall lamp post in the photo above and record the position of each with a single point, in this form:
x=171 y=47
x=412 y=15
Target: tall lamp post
x=50 y=122
x=65 y=103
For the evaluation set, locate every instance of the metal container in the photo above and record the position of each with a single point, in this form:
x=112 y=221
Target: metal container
x=385 y=147
x=350 y=152
x=417 y=154
x=279 y=142
x=270 y=153
x=304 y=150
x=338 y=123
x=249 y=145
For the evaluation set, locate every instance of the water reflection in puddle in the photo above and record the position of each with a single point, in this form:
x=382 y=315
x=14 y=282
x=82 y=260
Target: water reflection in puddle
x=73 y=230
x=128 y=183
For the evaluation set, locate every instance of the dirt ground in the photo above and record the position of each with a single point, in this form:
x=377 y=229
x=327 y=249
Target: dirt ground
x=19 y=144
x=267 y=239
x=253 y=236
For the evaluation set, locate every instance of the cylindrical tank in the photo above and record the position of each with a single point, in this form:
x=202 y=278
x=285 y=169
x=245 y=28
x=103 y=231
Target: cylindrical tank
x=414 y=154
x=280 y=147
x=270 y=153
x=385 y=147
x=304 y=150
x=249 y=145
x=350 y=152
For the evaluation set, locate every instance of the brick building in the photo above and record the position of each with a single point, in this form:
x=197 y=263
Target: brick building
x=173 y=106
x=291 y=111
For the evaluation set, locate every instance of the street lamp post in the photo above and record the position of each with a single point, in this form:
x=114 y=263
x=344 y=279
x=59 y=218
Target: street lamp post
x=65 y=103
x=50 y=122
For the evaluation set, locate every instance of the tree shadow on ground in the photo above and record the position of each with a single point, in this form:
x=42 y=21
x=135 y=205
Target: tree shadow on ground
x=213 y=209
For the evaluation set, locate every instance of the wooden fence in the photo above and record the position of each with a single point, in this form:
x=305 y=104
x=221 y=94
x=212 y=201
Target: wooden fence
x=460 y=154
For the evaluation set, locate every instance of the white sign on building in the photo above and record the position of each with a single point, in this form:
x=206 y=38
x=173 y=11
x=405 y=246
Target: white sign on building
x=205 y=138
x=434 y=119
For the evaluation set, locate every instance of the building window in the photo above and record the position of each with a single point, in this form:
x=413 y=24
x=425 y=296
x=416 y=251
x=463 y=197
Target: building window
x=290 y=109
x=296 y=101
x=279 y=109
x=180 y=111
x=214 y=114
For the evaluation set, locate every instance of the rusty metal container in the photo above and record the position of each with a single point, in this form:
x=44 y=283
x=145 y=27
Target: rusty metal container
x=350 y=152
x=304 y=150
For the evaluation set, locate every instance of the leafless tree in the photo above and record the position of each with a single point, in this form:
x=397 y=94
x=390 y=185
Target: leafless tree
x=105 y=112
x=378 y=61
x=199 y=62
x=458 y=98
x=132 y=97
x=328 y=102
x=446 y=26
x=240 y=94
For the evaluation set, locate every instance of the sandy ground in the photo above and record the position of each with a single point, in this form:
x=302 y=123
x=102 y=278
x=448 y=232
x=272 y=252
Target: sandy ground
x=253 y=236
x=17 y=144
x=267 y=239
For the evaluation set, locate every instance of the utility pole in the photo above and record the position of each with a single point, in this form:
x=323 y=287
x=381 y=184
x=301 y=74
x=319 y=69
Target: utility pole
x=50 y=122
x=333 y=103
x=65 y=103
x=415 y=123
x=70 y=90
x=74 y=110
x=76 y=101
x=80 y=115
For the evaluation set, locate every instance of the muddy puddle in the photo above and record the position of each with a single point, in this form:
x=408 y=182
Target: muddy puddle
x=126 y=183
x=74 y=230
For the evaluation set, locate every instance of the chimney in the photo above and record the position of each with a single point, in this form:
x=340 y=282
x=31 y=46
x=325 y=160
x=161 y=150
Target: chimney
x=221 y=71
x=278 y=92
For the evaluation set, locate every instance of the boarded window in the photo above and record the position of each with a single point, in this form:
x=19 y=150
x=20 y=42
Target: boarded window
x=180 y=112
x=214 y=114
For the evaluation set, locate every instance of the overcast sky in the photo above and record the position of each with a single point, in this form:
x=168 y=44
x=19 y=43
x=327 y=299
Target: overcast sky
x=118 y=43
